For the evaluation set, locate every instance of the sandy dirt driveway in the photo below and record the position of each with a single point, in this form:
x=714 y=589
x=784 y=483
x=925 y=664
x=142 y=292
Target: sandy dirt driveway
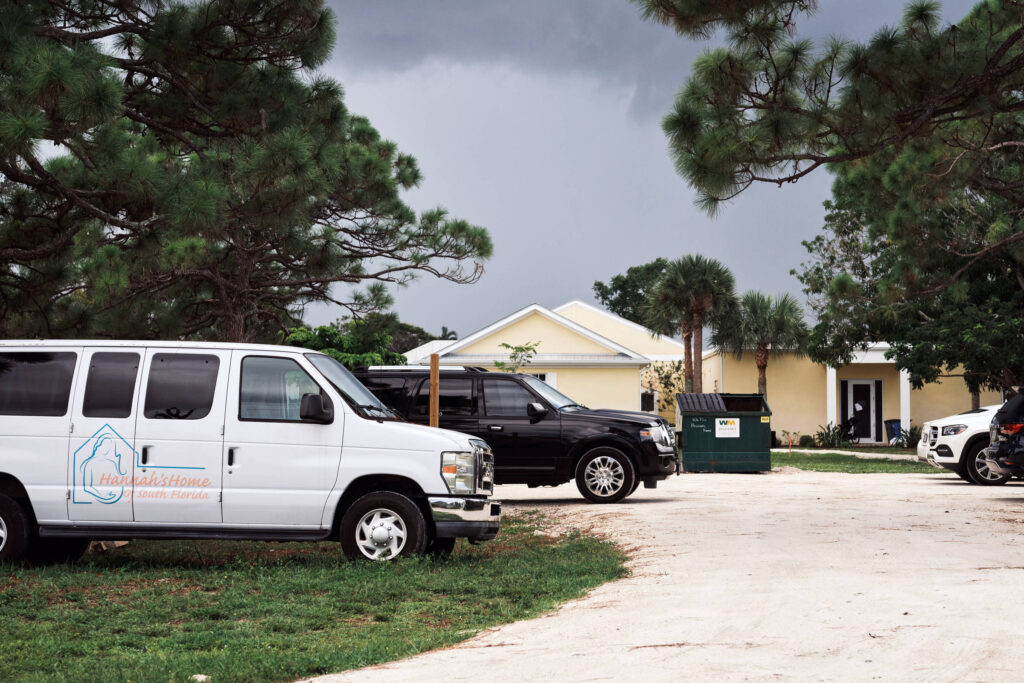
x=787 y=575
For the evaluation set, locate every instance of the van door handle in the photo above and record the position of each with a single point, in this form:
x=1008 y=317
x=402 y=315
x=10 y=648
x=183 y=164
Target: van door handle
x=231 y=457
x=145 y=454
x=495 y=428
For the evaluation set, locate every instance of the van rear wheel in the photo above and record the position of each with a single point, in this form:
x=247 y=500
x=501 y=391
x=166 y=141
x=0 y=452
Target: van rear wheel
x=14 y=531
x=382 y=526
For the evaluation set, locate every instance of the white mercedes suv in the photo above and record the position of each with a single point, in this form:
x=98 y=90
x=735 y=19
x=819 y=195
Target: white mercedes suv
x=958 y=442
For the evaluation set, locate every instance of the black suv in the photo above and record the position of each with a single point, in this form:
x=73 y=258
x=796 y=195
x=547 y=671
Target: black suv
x=539 y=436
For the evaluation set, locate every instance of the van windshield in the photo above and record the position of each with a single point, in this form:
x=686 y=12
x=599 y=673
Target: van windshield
x=351 y=389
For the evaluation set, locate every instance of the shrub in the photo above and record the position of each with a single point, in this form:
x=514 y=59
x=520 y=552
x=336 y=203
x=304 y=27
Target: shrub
x=805 y=441
x=830 y=436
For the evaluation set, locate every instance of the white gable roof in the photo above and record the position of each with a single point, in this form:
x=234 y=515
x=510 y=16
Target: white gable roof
x=619 y=319
x=550 y=315
x=424 y=351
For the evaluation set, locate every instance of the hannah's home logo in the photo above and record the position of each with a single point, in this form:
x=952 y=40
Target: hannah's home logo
x=103 y=458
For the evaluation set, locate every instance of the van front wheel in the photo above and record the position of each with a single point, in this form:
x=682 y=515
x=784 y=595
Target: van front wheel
x=382 y=526
x=14 y=531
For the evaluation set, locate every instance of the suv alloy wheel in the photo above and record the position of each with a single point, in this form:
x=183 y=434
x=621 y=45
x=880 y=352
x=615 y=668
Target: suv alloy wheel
x=605 y=475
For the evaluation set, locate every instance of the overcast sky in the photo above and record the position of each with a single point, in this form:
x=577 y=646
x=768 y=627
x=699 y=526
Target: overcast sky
x=541 y=121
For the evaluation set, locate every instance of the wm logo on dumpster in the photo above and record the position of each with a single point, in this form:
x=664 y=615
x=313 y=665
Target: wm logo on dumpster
x=727 y=428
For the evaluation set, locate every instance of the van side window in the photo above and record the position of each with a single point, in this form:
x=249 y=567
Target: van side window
x=455 y=397
x=110 y=386
x=272 y=389
x=506 y=398
x=36 y=383
x=181 y=386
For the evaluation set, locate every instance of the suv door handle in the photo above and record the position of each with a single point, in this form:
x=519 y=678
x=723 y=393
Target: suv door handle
x=495 y=428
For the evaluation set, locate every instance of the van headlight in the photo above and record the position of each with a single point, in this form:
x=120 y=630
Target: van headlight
x=459 y=472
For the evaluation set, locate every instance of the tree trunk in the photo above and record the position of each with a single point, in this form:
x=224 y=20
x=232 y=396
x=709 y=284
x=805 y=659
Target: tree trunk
x=687 y=358
x=975 y=399
x=698 y=353
x=761 y=361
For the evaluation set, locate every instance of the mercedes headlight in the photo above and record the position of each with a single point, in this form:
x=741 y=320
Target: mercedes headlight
x=459 y=472
x=953 y=430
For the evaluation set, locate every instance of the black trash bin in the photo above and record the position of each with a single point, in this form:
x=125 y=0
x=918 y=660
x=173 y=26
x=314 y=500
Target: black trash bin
x=892 y=430
x=724 y=432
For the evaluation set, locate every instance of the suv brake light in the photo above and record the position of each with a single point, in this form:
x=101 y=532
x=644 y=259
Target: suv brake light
x=1011 y=428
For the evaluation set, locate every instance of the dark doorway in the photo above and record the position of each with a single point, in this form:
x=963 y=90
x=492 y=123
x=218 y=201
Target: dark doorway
x=861 y=411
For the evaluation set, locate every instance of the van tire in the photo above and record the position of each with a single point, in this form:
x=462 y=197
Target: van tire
x=369 y=526
x=44 y=551
x=605 y=475
x=14 y=531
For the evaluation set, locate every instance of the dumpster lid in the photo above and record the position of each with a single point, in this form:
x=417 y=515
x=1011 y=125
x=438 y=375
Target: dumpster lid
x=722 y=403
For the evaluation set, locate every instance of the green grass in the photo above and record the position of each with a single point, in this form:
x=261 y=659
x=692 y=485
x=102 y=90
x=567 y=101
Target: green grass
x=886 y=450
x=271 y=612
x=835 y=462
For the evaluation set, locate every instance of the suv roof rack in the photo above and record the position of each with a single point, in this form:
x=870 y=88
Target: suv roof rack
x=421 y=368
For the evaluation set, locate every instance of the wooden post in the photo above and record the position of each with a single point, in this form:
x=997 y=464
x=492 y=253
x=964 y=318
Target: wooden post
x=435 y=381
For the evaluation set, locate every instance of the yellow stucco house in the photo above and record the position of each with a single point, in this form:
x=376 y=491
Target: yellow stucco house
x=587 y=353
x=804 y=395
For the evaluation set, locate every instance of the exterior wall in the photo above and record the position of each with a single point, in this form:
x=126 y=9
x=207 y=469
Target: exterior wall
x=553 y=338
x=621 y=332
x=948 y=396
x=796 y=388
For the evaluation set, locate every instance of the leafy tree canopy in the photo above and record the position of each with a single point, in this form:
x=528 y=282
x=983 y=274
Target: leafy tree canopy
x=921 y=125
x=178 y=169
x=356 y=346
x=625 y=294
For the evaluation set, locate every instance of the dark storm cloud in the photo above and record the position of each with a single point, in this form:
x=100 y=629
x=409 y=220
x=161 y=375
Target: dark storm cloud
x=605 y=39
x=539 y=119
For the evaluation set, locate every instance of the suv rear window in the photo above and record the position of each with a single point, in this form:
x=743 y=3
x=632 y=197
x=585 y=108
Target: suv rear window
x=455 y=397
x=36 y=383
x=181 y=386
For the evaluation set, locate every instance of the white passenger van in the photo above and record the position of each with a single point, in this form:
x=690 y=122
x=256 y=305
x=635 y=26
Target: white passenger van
x=123 y=440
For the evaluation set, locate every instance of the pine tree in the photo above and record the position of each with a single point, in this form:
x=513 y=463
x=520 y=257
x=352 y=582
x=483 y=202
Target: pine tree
x=203 y=181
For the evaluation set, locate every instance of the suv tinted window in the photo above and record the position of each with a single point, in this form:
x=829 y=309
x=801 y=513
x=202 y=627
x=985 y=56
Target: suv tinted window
x=506 y=397
x=36 y=383
x=272 y=389
x=110 y=387
x=455 y=397
x=181 y=386
x=390 y=391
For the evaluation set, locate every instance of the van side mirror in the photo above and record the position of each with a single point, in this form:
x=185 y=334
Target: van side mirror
x=536 y=410
x=314 y=408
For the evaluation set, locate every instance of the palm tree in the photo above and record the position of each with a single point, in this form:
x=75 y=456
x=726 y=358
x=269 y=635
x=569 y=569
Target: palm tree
x=448 y=334
x=693 y=292
x=765 y=326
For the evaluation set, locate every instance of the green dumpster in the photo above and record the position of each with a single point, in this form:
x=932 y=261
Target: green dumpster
x=724 y=432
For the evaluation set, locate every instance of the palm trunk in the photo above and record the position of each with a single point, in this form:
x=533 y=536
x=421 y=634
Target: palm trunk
x=761 y=361
x=687 y=358
x=698 y=353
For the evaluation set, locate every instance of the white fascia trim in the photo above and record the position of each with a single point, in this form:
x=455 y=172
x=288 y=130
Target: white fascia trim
x=620 y=319
x=554 y=317
x=665 y=357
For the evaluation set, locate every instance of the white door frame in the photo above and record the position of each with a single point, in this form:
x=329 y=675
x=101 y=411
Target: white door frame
x=875 y=438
